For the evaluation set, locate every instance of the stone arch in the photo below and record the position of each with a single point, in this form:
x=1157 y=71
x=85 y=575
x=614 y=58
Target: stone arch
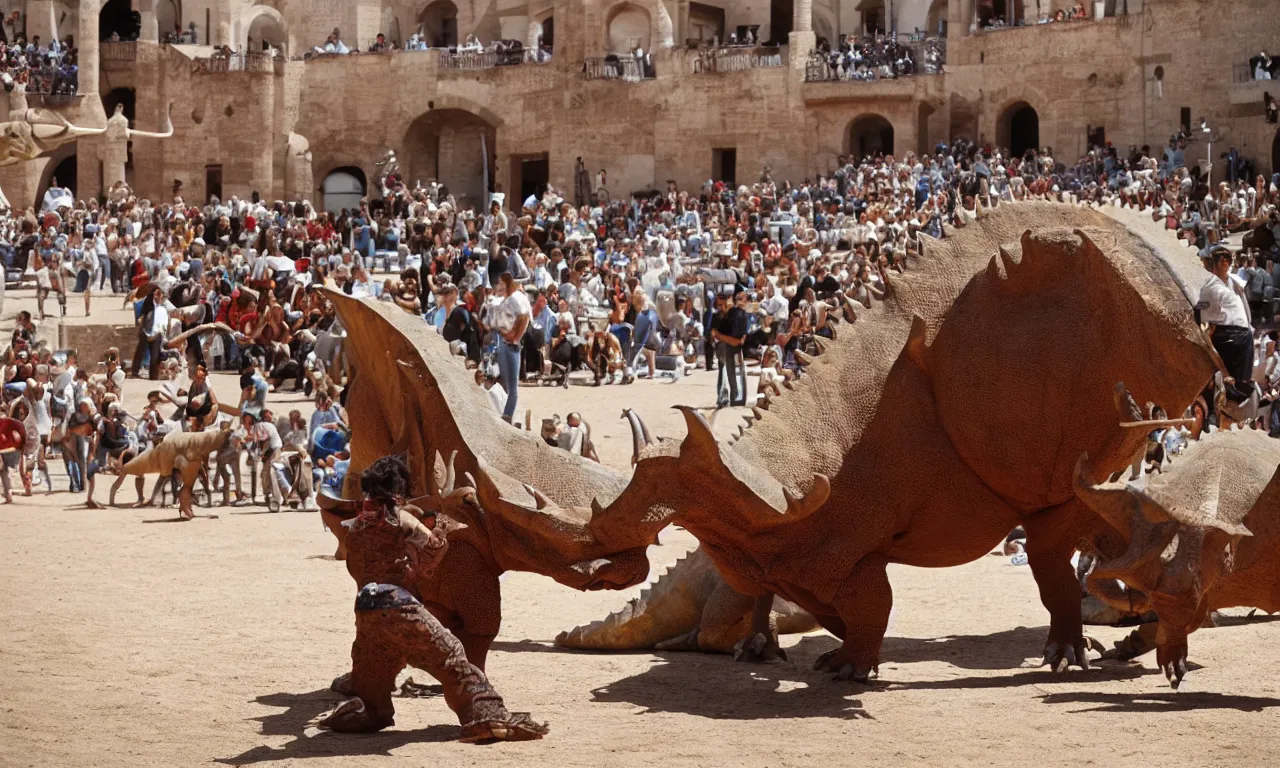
x=627 y=25
x=117 y=17
x=455 y=147
x=343 y=187
x=438 y=22
x=869 y=134
x=262 y=22
x=168 y=16
x=936 y=20
x=60 y=163
x=1018 y=128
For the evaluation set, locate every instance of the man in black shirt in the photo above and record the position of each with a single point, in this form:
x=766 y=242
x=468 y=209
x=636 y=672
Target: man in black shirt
x=729 y=334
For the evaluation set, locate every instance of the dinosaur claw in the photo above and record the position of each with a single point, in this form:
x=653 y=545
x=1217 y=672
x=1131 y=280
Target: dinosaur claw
x=758 y=649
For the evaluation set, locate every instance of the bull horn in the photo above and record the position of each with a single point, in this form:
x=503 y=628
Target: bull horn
x=800 y=507
x=700 y=438
x=166 y=133
x=1146 y=425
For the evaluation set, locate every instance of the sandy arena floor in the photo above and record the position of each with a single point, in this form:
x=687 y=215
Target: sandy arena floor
x=131 y=640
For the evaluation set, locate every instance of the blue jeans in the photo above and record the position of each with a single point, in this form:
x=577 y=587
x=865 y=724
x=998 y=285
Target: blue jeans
x=623 y=332
x=509 y=374
x=104 y=272
x=646 y=326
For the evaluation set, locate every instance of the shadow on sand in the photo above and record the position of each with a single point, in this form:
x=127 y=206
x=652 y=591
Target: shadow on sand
x=300 y=709
x=1171 y=701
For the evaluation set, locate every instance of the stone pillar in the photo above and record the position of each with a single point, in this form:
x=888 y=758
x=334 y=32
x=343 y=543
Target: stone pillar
x=115 y=155
x=802 y=16
x=966 y=17
x=89 y=151
x=666 y=33
x=41 y=20
x=87 y=42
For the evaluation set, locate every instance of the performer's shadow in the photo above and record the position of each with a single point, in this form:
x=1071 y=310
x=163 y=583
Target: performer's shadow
x=301 y=709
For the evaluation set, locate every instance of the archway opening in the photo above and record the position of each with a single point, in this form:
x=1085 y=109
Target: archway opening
x=1019 y=129
x=64 y=175
x=936 y=22
x=117 y=20
x=870 y=135
x=343 y=188
x=438 y=23
x=874 y=18
x=168 y=17
x=265 y=33
x=452 y=147
x=1275 y=153
x=628 y=29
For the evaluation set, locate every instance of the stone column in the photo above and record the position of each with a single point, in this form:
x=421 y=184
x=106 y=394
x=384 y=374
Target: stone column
x=150 y=31
x=41 y=20
x=802 y=16
x=87 y=42
x=666 y=33
x=115 y=155
x=966 y=17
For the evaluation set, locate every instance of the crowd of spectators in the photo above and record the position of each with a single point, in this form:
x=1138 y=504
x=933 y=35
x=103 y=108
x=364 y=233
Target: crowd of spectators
x=506 y=51
x=50 y=68
x=727 y=277
x=874 y=58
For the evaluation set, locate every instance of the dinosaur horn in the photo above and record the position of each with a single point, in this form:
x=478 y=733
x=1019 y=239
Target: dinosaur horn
x=802 y=358
x=639 y=434
x=850 y=310
x=799 y=507
x=821 y=343
x=700 y=438
x=539 y=498
x=530 y=519
x=1112 y=502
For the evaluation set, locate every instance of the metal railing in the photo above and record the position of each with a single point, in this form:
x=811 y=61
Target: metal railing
x=618 y=68
x=879 y=60
x=253 y=61
x=118 y=51
x=51 y=99
x=738 y=58
x=489 y=59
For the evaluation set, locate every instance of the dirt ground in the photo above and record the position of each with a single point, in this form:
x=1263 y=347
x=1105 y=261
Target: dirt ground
x=132 y=640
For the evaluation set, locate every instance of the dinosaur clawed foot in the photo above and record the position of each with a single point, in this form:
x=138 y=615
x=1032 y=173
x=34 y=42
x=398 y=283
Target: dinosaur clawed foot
x=845 y=665
x=1135 y=644
x=519 y=726
x=342 y=684
x=1172 y=658
x=1059 y=656
x=352 y=716
x=759 y=648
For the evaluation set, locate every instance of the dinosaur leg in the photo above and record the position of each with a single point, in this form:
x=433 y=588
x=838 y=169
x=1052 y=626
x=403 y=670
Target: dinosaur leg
x=863 y=607
x=1052 y=535
x=189 y=470
x=761 y=642
x=720 y=624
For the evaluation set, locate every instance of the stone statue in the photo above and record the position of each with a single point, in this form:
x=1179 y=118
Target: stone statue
x=299 y=178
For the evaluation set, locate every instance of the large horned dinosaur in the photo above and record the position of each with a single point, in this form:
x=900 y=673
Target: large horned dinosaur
x=181 y=452
x=1202 y=535
x=409 y=394
x=1001 y=370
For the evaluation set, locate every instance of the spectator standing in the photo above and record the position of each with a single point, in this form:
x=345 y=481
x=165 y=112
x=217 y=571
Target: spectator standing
x=510 y=320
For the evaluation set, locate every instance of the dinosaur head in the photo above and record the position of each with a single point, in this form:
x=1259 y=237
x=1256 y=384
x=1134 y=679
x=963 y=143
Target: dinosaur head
x=1180 y=543
x=1024 y=364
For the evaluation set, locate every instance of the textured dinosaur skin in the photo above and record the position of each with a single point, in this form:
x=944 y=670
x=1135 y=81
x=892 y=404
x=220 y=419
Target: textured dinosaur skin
x=688 y=608
x=184 y=452
x=997 y=355
x=409 y=394
x=1202 y=535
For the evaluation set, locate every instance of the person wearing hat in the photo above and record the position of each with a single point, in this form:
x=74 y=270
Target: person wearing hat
x=1228 y=314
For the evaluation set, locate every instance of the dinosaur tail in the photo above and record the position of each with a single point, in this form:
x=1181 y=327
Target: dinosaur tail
x=147 y=463
x=670 y=607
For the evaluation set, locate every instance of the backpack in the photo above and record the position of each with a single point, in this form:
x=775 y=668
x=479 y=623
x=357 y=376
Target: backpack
x=1259 y=281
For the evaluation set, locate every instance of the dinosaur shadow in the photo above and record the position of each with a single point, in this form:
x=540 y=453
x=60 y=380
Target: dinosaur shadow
x=723 y=689
x=1241 y=621
x=1172 y=701
x=538 y=646
x=301 y=709
x=1000 y=650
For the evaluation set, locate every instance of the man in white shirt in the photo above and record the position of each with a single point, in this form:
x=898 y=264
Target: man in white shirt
x=1228 y=313
x=267 y=439
x=510 y=320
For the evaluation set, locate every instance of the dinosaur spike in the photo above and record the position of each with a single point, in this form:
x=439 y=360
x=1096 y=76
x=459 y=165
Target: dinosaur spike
x=741 y=429
x=1006 y=260
x=822 y=344
x=700 y=438
x=757 y=411
x=917 y=345
x=750 y=420
x=850 y=313
x=539 y=498
x=799 y=507
x=803 y=358
x=1113 y=502
x=788 y=384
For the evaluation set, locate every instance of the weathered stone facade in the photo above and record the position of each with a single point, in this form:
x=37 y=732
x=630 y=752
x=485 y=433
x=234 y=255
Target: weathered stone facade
x=282 y=127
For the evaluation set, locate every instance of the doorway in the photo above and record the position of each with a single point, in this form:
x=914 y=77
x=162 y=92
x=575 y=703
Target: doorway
x=724 y=166
x=870 y=135
x=780 y=21
x=1097 y=137
x=1019 y=129
x=534 y=175
x=213 y=181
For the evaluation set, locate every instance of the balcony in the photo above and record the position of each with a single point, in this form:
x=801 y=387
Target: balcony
x=235 y=61
x=52 y=100
x=628 y=68
x=490 y=59
x=878 y=60
x=118 y=51
x=737 y=58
